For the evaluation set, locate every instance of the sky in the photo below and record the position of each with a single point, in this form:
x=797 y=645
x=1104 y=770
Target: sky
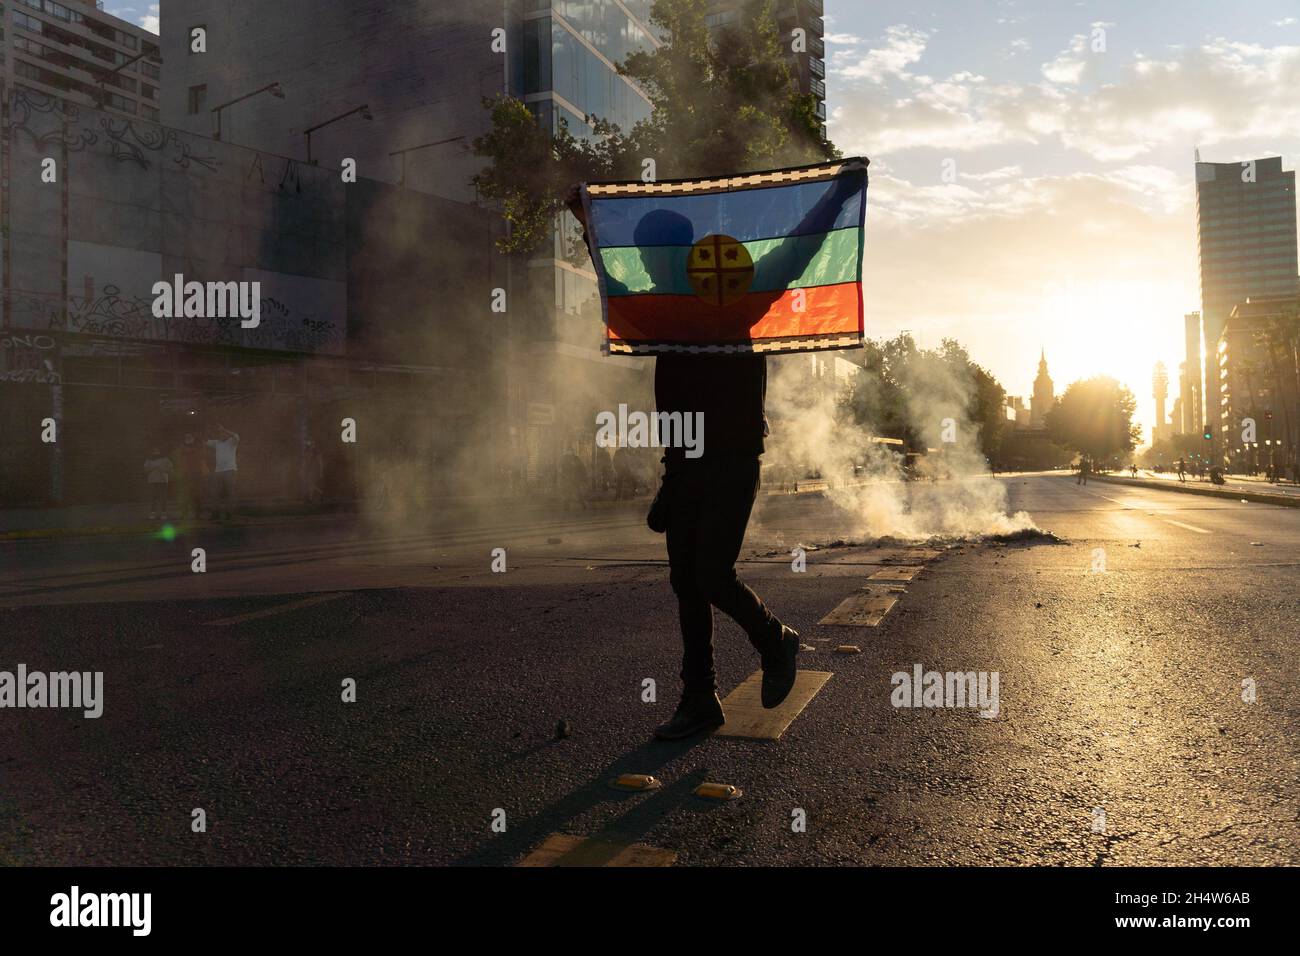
x=1031 y=179
x=145 y=14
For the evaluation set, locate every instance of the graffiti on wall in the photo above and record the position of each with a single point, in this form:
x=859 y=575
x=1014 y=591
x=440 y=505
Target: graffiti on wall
x=127 y=142
x=29 y=359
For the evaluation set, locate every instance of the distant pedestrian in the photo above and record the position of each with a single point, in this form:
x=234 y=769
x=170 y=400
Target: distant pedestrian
x=158 y=472
x=193 y=473
x=1182 y=470
x=624 y=478
x=223 y=474
x=1083 y=471
x=573 y=480
x=1134 y=469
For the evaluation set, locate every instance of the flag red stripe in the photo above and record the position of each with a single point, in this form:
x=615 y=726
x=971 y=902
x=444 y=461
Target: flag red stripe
x=759 y=315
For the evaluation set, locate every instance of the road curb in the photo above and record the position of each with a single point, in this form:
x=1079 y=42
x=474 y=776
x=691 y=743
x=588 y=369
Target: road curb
x=1286 y=501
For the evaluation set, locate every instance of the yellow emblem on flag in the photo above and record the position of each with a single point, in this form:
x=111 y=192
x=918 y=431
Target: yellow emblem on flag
x=720 y=269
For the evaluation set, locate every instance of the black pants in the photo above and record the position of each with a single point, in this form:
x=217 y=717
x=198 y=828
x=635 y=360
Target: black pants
x=709 y=511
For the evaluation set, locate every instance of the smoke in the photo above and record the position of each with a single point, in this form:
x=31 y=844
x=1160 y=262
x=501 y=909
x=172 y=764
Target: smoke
x=948 y=492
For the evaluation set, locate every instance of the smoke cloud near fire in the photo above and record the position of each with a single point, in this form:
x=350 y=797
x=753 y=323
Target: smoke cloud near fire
x=948 y=492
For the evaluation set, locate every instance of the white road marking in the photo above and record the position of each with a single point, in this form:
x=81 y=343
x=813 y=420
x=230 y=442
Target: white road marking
x=278 y=609
x=1189 y=527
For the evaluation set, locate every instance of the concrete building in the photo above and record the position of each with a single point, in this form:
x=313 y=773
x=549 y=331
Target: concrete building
x=1017 y=412
x=1258 y=386
x=423 y=70
x=1246 y=230
x=806 y=50
x=72 y=49
x=373 y=300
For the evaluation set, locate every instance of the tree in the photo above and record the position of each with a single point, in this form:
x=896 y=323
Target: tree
x=1095 y=417
x=722 y=103
x=905 y=392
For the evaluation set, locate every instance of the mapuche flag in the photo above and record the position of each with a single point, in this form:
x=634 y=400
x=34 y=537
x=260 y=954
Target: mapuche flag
x=765 y=262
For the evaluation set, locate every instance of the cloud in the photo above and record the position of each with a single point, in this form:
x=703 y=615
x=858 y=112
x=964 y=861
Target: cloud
x=1068 y=66
x=903 y=47
x=1015 y=47
x=1221 y=91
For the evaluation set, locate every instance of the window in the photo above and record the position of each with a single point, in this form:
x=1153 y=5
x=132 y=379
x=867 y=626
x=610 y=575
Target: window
x=148 y=112
x=148 y=92
x=198 y=98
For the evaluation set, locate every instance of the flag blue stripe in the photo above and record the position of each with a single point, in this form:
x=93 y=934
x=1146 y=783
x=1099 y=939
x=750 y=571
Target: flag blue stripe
x=747 y=215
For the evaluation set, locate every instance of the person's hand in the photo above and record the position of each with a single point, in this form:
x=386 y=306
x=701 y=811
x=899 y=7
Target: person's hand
x=573 y=199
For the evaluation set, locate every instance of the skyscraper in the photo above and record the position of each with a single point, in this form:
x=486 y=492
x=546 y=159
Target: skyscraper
x=1246 y=228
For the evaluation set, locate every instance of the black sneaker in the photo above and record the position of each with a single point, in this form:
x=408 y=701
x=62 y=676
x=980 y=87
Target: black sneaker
x=779 y=668
x=696 y=713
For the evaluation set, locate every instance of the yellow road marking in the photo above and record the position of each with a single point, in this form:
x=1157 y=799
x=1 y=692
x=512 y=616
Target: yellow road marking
x=747 y=717
x=898 y=572
x=562 y=849
x=278 y=609
x=865 y=608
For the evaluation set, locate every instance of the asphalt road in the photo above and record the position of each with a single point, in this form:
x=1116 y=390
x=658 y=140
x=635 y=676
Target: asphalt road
x=1121 y=653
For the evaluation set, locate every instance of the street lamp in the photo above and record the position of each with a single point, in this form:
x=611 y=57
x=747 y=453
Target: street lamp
x=272 y=88
x=363 y=109
x=412 y=149
x=102 y=97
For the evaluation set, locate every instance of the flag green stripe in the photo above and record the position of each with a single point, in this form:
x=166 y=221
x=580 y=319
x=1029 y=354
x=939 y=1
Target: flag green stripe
x=833 y=258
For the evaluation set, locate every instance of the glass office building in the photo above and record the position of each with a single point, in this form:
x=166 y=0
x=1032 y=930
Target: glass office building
x=571 y=49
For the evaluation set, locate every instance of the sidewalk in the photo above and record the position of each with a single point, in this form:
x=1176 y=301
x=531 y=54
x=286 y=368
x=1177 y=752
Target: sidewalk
x=1237 y=487
x=132 y=518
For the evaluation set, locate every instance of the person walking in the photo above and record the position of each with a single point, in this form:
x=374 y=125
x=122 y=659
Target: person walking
x=704 y=503
x=1182 y=471
x=158 y=471
x=224 y=471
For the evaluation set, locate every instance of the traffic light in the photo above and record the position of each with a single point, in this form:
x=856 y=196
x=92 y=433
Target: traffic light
x=1209 y=435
